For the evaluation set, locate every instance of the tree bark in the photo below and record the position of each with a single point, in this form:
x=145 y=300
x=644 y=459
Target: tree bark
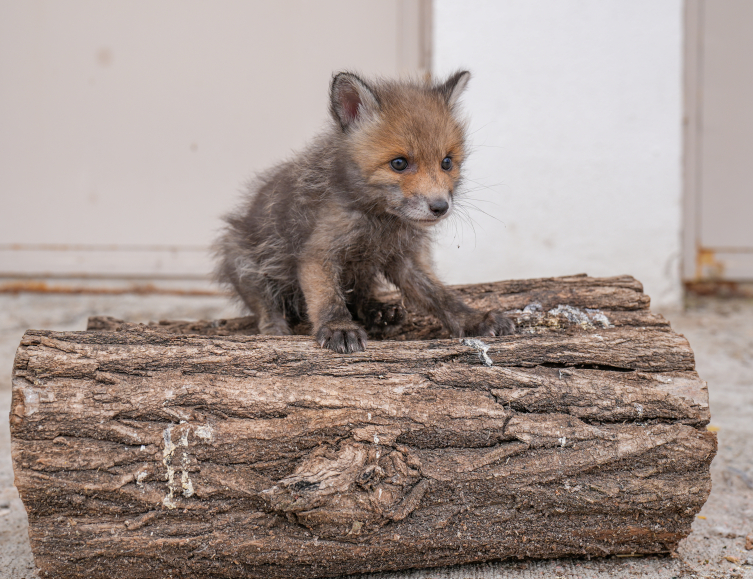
x=202 y=450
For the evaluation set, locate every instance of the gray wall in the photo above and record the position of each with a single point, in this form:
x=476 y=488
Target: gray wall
x=129 y=126
x=576 y=111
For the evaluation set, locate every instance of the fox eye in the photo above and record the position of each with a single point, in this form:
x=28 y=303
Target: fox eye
x=446 y=163
x=400 y=164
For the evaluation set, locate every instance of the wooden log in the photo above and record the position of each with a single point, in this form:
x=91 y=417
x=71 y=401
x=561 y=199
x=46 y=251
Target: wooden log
x=620 y=299
x=156 y=450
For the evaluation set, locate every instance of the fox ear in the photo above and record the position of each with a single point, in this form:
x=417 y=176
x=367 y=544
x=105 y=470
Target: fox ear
x=453 y=87
x=350 y=99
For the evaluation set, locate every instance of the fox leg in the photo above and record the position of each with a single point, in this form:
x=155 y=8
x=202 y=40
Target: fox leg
x=239 y=268
x=372 y=312
x=332 y=322
x=376 y=314
x=256 y=293
x=421 y=288
x=272 y=321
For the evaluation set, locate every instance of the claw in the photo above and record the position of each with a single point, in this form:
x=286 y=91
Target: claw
x=343 y=340
x=380 y=314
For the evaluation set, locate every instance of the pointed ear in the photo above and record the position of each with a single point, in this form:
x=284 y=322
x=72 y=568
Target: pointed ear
x=350 y=99
x=454 y=86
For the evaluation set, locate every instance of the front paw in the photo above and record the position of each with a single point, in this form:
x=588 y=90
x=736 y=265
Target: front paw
x=380 y=314
x=342 y=337
x=491 y=323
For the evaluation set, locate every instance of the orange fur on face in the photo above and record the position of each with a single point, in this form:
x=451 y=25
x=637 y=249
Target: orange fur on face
x=420 y=127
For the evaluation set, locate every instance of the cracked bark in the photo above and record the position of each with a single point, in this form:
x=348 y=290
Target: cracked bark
x=200 y=449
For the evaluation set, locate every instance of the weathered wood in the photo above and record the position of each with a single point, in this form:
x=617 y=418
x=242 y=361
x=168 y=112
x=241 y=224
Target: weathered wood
x=154 y=450
x=620 y=299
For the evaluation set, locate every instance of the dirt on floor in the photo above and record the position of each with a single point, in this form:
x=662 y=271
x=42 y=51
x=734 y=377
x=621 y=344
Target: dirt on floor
x=720 y=332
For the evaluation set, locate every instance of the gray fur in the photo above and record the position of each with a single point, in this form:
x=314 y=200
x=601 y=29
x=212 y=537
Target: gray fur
x=322 y=211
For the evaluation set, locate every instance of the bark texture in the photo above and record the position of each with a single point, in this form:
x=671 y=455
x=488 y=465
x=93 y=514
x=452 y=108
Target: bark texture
x=197 y=449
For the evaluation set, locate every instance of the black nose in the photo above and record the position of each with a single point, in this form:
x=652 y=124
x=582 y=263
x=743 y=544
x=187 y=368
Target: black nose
x=439 y=207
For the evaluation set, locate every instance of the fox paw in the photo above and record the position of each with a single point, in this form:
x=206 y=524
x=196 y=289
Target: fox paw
x=492 y=323
x=379 y=314
x=343 y=338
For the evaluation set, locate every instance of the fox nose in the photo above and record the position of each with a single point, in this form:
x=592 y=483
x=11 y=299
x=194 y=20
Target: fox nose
x=439 y=207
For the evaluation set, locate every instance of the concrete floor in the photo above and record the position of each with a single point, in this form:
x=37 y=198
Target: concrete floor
x=721 y=334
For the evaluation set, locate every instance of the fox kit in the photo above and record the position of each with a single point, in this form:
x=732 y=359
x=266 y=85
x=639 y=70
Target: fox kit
x=319 y=235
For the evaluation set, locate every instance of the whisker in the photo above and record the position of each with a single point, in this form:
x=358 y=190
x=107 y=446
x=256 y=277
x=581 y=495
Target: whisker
x=482 y=185
x=464 y=204
x=480 y=128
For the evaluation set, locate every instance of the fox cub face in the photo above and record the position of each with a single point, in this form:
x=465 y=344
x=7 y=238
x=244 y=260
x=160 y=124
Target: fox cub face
x=407 y=142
